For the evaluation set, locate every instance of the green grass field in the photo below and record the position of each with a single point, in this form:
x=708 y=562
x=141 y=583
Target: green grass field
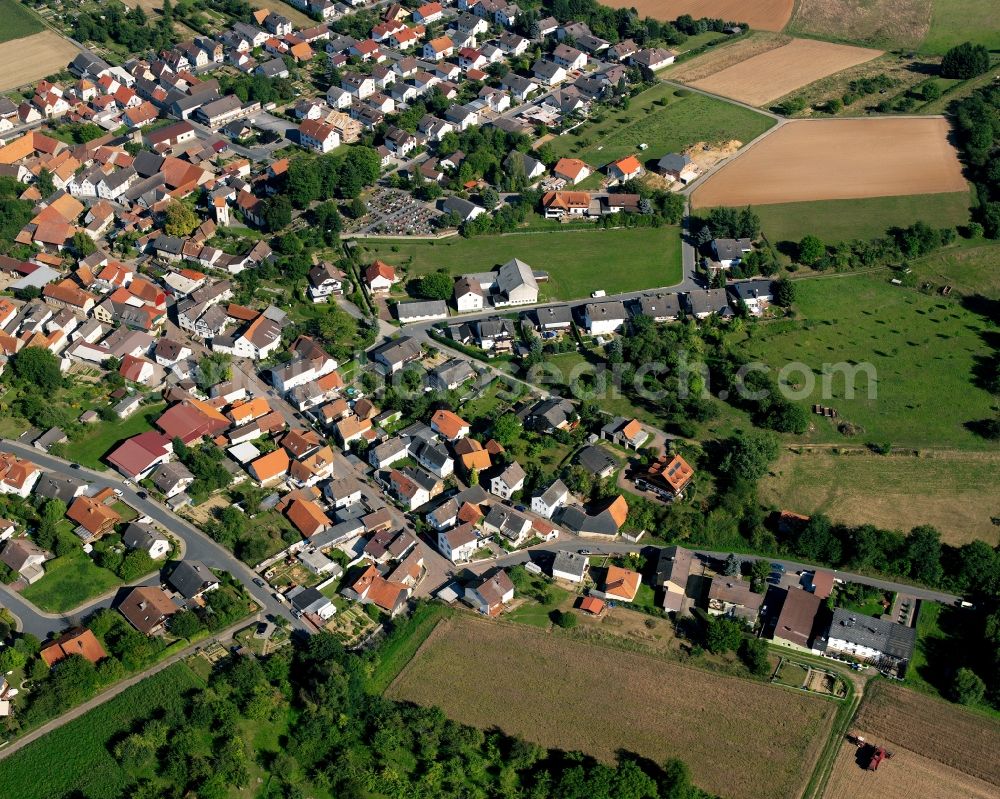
x=18 y=21
x=957 y=21
x=578 y=261
x=845 y=220
x=680 y=123
x=923 y=349
x=75 y=759
x=973 y=268
x=104 y=436
x=69 y=581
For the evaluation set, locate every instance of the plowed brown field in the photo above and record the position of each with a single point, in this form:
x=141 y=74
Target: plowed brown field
x=838 y=159
x=30 y=58
x=773 y=74
x=741 y=739
x=768 y=15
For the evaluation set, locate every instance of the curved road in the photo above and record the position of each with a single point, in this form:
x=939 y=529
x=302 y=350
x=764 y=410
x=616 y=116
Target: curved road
x=197 y=546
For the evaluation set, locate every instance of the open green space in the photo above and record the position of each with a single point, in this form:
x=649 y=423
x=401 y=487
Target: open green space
x=664 y=121
x=957 y=21
x=973 y=268
x=89 y=449
x=402 y=644
x=17 y=21
x=69 y=581
x=76 y=758
x=845 y=220
x=918 y=351
x=579 y=262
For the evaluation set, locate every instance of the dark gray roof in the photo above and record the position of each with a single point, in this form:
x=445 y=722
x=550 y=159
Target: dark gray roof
x=751 y=289
x=397 y=350
x=887 y=637
x=595 y=459
x=659 y=306
x=55 y=486
x=673 y=162
x=141 y=536
x=420 y=309
x=570 y=563
x=191 y=577
x=552 y=315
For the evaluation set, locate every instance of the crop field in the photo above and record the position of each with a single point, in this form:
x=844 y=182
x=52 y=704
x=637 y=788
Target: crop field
x=563 y=693
x=665 y=122
x=578 y=261
x=920 y=348
x=934 y=729
x=839 y=159
x=86 y=767
x=846 y=220
x=720 y=58
x=906 y=774
x=959 y=490
x=770 y=75
x=882 y=23
x=769 y=15
x=50 y=53
x=957 y=21
x=18 y=22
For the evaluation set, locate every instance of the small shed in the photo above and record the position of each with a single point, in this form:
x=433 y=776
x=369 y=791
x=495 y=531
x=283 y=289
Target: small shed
x=592 y=605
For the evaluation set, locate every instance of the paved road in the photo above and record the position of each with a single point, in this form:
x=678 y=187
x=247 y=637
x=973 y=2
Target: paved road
x=198 y=546
x=114 y=690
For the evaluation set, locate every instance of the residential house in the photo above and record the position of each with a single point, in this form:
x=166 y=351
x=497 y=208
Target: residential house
x=652 y=59
x=756 y=295
x=796 y=621
x=136 y=457
x=572 y=170
x=421 y=311
x=625 y=169
x=310 y=602
x=731 y=596
x=509 y=481
x=148 y=609
x=75 y=641
x=148 y=539
x=458 y=544
x=92 y=516
x=569 y=566
x=25 y=558
x=550 y=500
x=508 y=523
x=602 y=318
x=379 y=277
x=702 y=303
x=172 y=479
x=491 y=594
x=620 y=585
x=677 y=167
x=627 y=433
x=881 y=642
x=667 y=477
x=192 y=578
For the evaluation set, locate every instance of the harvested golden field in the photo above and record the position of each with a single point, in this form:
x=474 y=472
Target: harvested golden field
x=719 y=58
x=887 y=23
x=932 y=728
x=563 y=693
x=960 y=491
x=907 y=775
x=50 y=53
x=773 y=74
x=768 y=15
x=838 y=159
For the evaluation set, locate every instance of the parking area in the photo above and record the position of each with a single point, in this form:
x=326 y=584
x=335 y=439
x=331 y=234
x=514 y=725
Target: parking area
x=270 y=122
x=392 y=212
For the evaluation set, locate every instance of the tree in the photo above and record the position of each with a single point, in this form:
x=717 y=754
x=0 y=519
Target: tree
x=967 y=688
x=83 y=245
x=304 y=184
x=507 y=429
x=566 y=620
x=964 y=61
x=437 y=285
x=810 y=250
x=723 y=635
x=748 y=455
x=277 y=213
x=179 y=219
x=753 y=653
x=923 y=551
x=733 y=565
x=490 y=198
x=37 y=367
x=44 y=184
x=784 y=292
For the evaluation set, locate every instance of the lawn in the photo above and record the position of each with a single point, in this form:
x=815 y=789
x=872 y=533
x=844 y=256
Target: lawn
x=99 y=440
x=864 y=488
x=845 y=220
x=69 y=581
x=539 y=614
x=563 y=693
x=81 y=748
x=579 y=262
x=672 y=127
x=18 y=21
x=909 y=351
x=957 y=21
x=973 y=268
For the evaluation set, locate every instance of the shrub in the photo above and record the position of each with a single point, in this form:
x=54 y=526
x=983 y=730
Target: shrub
x=965 y=61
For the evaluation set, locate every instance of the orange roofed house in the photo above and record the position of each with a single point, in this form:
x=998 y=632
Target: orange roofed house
x=627 y=168
x=560 y=204
x=17 y=476
x=450 y=425
x=75 y=641
x=92 y=516
x=572 y=170
x=192 y=419
x=620 y=584
x=666 y=477
x=380 y=277
x=370 y=587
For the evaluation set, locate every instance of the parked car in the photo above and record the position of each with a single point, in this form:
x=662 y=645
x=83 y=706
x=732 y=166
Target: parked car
x=258 y=582
x=777 y=567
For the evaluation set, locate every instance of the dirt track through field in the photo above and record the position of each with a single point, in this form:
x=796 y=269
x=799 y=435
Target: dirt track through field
x=773 y=74
x=768 y=15
x=838 y=159
x=49 y=53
